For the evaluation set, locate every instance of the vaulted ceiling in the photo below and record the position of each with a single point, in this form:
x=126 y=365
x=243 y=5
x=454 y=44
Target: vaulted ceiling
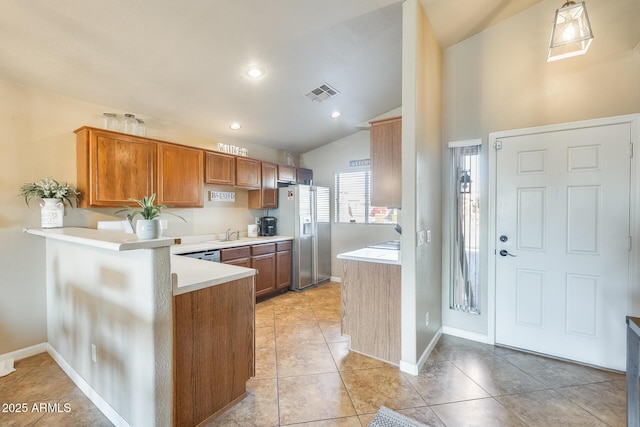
x=186 y=61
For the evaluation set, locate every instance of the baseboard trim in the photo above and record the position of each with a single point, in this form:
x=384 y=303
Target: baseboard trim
x=88 y=391
x=461 y=333
x=335 y=279
x=414 y=368
x=23 y=353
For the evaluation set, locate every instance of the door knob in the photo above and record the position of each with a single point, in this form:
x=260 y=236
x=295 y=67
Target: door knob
x=504 y=252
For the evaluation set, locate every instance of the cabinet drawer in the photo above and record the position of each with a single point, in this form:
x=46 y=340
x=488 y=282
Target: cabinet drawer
x=234 y=253
x=283 y=246
x=267 y=248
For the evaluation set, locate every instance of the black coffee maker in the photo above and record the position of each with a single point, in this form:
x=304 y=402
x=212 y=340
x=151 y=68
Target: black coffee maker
x=268 y=226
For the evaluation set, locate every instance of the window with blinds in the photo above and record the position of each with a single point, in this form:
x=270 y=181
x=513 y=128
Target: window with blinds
x=352 y=200
x=465 y=230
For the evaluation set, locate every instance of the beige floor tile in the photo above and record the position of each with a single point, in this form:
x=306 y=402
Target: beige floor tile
x=442 y=382
x=454 y=348
x=347 y=360
x=335 y=422
x=332 y=331
x=313 y=398
x=304 y=359
x=477 y=413
x=548 y=408
x=266 y=363
x=557 y=373
x=606 y=400
x=424 y=415
x=265 y=337
x=291 y=334
x=371 y=388
x=497 y=376
x=259 y=408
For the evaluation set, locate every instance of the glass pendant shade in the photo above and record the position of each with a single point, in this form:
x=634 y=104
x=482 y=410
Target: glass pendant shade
x=571 y=34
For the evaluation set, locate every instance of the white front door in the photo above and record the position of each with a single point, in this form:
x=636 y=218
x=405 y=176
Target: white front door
x=562 y=243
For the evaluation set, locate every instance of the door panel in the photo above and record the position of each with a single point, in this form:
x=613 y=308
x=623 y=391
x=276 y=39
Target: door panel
x=562 y=201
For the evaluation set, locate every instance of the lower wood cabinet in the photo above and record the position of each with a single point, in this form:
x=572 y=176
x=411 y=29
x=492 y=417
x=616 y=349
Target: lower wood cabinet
x=212 y=364
x=283 y=264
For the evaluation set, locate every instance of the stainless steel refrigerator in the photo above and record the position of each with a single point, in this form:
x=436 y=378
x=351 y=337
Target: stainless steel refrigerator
x=304 y=213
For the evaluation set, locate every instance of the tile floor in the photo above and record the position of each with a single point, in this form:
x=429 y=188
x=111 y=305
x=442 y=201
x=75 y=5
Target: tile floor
x=305 y=375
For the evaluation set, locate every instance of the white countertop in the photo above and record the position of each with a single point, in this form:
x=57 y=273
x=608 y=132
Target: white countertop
x=189 y=274
x=382 y=256
x=203 y=243
x=106 y=239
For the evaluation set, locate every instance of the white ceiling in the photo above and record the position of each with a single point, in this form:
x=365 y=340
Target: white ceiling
x=184 y=61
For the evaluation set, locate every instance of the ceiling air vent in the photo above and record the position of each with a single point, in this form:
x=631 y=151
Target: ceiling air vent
x=322 y=93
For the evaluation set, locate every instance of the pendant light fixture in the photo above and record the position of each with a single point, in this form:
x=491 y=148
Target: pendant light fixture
x=571 y=34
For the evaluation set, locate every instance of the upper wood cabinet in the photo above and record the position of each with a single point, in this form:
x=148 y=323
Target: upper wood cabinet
x=286 y=174
x=267 y=196
x=248 y=173
x=180 y=175
x=386 y=162
x=113 y=167
x=304 y=176
x=220 y=169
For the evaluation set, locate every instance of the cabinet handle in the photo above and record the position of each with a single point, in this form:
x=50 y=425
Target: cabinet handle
x=257 y=271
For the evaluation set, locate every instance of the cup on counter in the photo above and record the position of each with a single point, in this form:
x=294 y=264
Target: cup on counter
x=252 y=230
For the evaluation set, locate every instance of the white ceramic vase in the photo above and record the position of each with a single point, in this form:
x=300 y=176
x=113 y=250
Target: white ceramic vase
x=148 y=229
x=51 y=213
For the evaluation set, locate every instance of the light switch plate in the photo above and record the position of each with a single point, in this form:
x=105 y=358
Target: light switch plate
x=422 y=237
x=428 y=236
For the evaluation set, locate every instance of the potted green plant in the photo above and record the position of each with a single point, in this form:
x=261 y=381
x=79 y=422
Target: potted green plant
x=53 y=195
x=148 y=227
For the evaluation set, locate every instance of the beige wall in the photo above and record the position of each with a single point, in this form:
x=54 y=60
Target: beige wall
x=421 y=185
x=38 y=141
x=500 y=80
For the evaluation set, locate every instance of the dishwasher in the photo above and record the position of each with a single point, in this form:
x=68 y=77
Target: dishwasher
x=212 y=255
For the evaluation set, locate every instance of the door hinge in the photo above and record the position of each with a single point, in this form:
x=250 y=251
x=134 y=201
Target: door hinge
x=497 y=145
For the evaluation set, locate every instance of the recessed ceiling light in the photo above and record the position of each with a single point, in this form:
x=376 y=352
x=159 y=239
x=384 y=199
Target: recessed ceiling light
x=255 y=72
x=234 y=126
x=336 y=114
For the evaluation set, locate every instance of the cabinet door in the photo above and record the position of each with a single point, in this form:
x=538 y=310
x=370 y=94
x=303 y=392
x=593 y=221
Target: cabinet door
x=266 y=273
x=267 y=196
x=386 y=163
x=113 y=167
x=180 y=175
x=286 y=173
x=283 y=269
x=240 y=262
x=304 y=176
x=220 y=169
x=248 y=173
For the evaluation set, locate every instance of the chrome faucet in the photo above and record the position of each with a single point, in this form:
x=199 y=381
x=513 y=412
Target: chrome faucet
x=227 y=236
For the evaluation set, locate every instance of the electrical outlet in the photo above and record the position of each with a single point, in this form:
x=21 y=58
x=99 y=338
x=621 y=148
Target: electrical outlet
x=428 y=236
x=257 y=220
x=427 y=319
x=421 y=237
x=94 y=353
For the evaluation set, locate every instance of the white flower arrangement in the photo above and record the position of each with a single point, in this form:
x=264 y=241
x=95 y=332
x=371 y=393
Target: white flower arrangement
x=49 y=188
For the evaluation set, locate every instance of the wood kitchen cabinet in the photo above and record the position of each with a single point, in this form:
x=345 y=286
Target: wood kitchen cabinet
x=263 y=259
x=386 y=162
x=267 y=196
x=287 y=174
x=304 y=176
x=113 y=167
x=240 y=256
x=283 y=264
x=180 y=175
x=248 y=173
x=220 y=169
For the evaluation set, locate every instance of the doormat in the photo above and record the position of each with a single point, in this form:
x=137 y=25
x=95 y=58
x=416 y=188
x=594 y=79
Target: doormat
x=386 y=417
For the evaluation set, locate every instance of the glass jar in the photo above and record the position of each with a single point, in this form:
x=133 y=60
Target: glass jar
x=141 y=129
x=109 y=121
x=129 y=124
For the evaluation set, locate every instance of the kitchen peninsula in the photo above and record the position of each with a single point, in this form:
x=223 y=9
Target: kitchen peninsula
x=151 y=338
x=371 y=301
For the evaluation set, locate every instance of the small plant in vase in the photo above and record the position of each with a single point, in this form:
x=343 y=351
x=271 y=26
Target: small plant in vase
x=54 y=195
x=149 y=226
